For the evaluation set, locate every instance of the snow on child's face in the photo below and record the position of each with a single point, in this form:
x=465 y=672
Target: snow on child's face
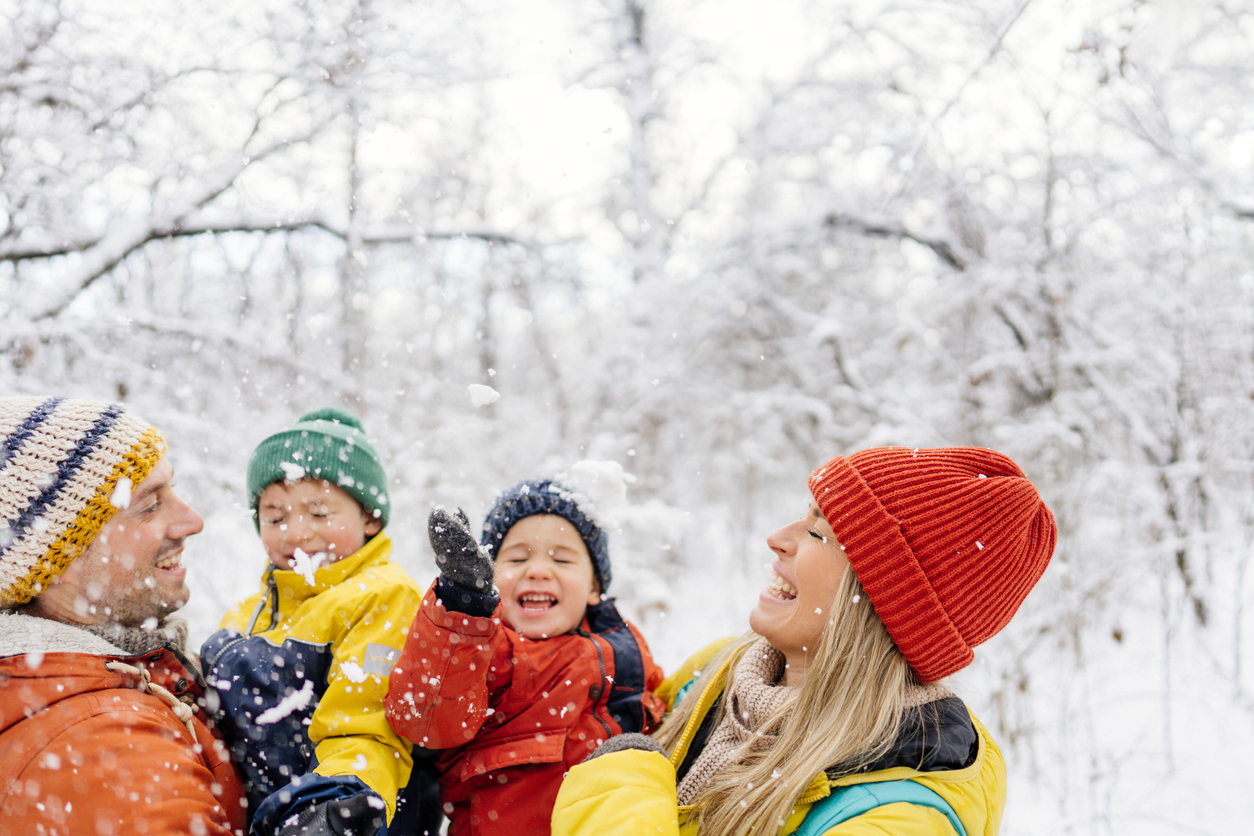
x=545 y=577
x=793 y=609
x=313 y=518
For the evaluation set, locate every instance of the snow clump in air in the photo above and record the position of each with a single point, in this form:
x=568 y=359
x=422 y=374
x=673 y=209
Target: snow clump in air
x=481 y=395
x=306 y=564
x=598 y=488
x=353 y=672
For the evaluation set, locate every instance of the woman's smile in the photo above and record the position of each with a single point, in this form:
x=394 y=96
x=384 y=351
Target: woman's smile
x=780 y=588
x=796 y=602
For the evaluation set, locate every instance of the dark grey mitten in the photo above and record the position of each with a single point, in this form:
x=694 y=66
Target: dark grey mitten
x=359 y=815
x=457 y=553
x=622 y=742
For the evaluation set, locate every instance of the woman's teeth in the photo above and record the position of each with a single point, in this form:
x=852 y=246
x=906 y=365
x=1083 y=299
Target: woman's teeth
x=781 y=588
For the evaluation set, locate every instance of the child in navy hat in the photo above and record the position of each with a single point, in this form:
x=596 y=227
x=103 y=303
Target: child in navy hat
x=518 y=682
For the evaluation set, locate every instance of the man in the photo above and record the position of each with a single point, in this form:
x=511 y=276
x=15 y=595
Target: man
x=102 y=727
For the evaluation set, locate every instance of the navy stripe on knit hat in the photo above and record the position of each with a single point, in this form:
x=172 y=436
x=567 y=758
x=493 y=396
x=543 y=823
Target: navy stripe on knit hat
x=547 y=496
x=66 y=470
x=27 y=428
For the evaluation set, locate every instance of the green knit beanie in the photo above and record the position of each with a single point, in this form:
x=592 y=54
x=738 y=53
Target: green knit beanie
x=325 y=444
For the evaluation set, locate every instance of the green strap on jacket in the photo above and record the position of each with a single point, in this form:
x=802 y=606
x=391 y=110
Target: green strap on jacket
x=846 y=802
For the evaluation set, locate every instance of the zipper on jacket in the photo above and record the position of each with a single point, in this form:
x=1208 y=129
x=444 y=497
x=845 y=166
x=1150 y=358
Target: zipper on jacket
x=694 y=721
x=212 y=661
x=595 y=692
x=272 y=591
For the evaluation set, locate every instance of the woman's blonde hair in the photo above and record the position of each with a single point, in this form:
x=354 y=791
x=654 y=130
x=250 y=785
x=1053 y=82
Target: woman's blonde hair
x=846 y=715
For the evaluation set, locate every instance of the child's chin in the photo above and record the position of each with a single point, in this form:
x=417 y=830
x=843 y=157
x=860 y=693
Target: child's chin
x=530 y=627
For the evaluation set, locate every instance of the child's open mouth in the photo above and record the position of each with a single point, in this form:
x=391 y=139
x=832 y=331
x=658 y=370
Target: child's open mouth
x=536 y=601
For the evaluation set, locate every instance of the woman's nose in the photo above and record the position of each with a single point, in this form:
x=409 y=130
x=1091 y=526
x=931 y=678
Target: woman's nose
x=782 y=540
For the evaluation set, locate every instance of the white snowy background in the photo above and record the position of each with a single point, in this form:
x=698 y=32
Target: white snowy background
x=715 y=242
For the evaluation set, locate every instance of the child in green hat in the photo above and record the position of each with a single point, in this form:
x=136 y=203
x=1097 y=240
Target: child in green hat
x=301 y=668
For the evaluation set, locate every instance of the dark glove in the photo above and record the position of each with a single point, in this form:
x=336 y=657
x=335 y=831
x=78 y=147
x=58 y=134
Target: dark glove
x=622 y=742
x=457 y=553
x=363 y=814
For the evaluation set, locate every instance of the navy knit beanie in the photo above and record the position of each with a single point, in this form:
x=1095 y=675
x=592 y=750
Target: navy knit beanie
x=545 y=496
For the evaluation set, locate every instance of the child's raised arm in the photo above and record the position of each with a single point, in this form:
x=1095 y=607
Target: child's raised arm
x=455 y=655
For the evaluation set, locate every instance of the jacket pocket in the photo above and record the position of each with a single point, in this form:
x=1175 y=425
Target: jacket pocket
x=532 y=748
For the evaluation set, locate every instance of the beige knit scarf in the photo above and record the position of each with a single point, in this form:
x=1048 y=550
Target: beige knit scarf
x=755 y=696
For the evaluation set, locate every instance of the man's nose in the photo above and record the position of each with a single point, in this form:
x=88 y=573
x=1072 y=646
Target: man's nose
x=188 y=521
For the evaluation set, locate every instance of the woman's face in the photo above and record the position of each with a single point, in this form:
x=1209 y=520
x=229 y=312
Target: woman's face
x=793 y=609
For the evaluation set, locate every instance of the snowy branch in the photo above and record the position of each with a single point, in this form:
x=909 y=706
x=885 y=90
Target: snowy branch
x=943 y=250
x=394 y=233
x=106 y=253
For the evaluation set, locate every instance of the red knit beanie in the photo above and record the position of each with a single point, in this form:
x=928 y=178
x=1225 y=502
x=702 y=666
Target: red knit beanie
x=947 y=543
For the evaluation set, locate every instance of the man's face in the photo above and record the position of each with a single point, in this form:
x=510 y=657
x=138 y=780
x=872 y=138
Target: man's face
x=133 y=570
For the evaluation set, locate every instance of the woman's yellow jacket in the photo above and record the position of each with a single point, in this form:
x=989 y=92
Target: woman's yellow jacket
x=632 y=792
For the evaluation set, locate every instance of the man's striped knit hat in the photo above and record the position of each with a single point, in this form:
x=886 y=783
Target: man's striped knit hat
x=63 y=464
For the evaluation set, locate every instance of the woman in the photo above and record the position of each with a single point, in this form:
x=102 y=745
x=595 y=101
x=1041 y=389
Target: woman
x=831 y=716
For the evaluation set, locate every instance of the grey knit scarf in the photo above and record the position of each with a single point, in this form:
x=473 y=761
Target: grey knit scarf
x=137 y=640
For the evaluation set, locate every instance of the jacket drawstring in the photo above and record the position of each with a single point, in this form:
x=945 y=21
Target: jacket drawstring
x=180 y=709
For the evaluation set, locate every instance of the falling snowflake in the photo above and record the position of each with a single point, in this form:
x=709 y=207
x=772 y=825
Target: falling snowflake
x=353 y=672
x=481 y=395
x=121 y=496
x=292 y=472
x=294 y=701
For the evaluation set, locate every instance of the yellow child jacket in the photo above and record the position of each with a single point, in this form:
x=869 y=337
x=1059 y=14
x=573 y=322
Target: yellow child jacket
x=632 y=792
x=317 y=658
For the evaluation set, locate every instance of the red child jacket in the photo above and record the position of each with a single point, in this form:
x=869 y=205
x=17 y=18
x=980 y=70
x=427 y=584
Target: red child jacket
x=511 y=715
